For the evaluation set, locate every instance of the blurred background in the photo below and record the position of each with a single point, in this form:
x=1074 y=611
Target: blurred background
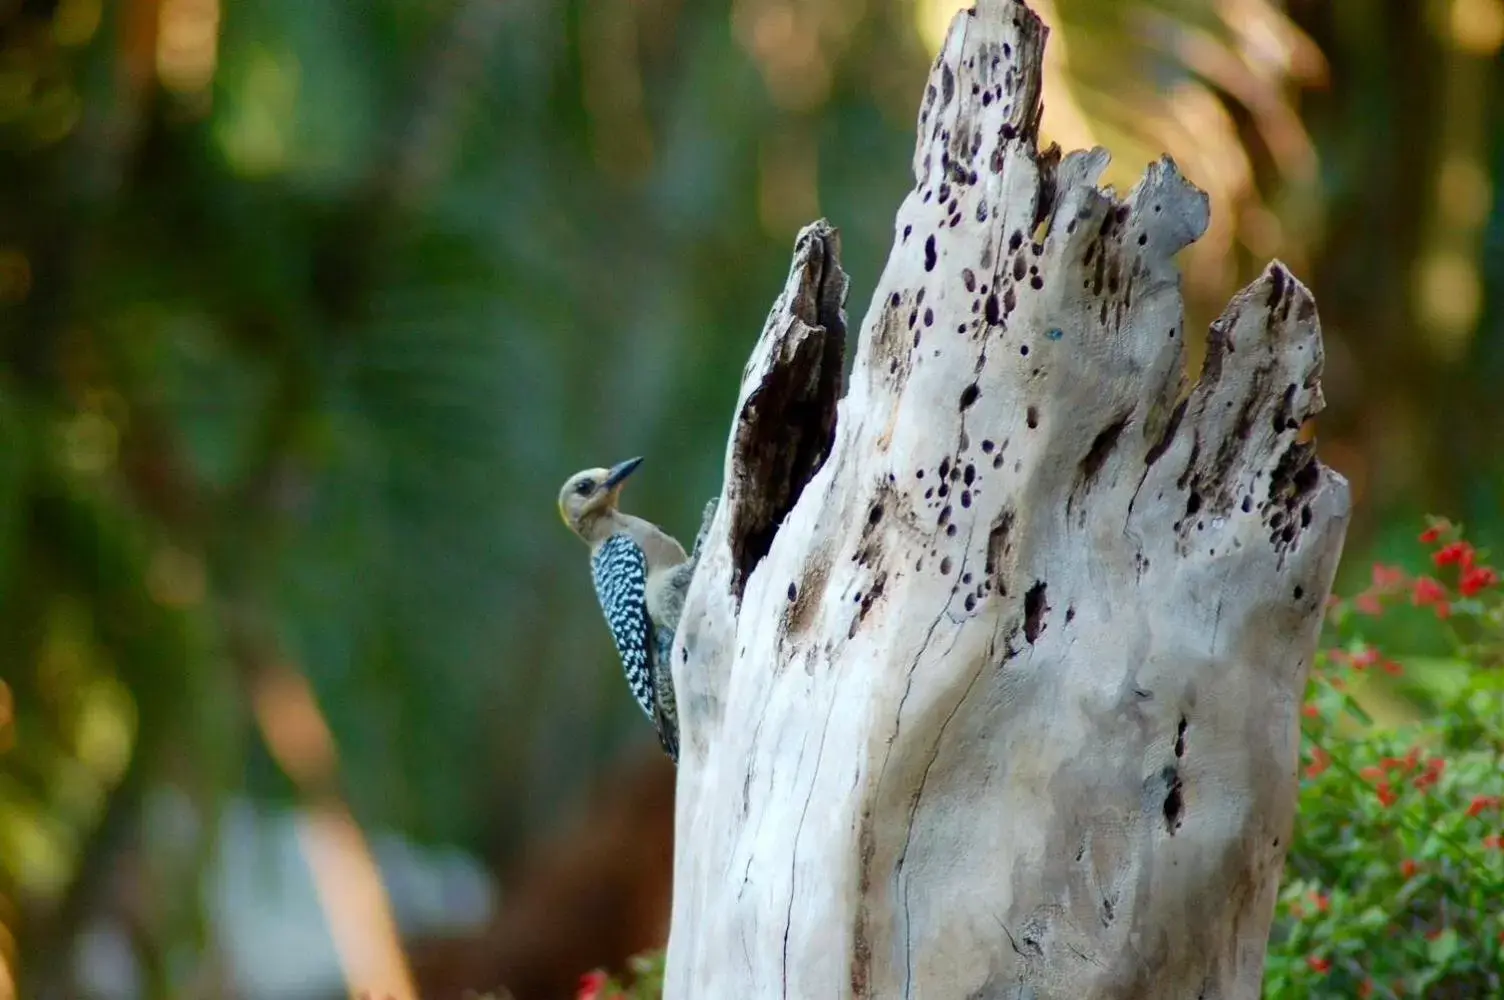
x=308 y=308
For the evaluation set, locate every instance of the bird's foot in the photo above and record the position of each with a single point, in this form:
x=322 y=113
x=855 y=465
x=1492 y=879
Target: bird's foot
x=706 y=520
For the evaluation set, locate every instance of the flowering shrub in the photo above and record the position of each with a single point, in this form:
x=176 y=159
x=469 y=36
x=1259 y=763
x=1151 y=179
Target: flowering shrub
x=1395 y=880
x=1394 y=884
x=647 y=981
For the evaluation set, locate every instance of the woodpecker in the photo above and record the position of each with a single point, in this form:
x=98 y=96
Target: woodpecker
x=641 y=574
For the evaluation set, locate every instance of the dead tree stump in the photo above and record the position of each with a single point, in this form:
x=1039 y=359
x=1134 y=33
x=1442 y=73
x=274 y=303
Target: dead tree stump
x=990 y=679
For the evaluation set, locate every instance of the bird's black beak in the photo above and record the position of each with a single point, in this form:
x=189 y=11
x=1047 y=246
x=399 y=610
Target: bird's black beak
x=620 y=471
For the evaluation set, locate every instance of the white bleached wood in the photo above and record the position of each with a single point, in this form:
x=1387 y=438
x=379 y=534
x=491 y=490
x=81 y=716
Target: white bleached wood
x=989 y=679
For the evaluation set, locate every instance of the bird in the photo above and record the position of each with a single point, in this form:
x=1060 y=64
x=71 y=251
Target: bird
x=641 y=576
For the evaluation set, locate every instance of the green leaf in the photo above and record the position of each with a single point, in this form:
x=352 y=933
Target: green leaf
x=1443 y=947
x=1485 y=681
x=1440 y=677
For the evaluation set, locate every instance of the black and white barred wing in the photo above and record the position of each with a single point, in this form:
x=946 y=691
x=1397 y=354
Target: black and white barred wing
x=621 y=575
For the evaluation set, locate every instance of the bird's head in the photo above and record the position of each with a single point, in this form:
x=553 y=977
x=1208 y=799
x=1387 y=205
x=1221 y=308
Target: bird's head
x=588 y=495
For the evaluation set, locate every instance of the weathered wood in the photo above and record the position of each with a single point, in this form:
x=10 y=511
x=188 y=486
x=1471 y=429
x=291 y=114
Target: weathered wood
x=989 y=680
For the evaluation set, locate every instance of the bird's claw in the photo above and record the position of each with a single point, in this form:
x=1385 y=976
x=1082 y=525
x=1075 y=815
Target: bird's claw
x=706 y=520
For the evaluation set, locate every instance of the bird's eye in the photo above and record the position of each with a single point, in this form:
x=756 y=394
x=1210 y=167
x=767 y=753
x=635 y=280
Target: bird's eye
x=586 y=487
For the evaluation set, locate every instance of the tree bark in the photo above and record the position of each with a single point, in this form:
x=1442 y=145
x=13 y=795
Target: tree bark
x=989 y=681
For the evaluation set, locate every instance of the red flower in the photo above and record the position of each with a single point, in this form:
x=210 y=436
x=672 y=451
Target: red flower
x=1365 y=989
x=1408 y=868
x=1493 y=840
x=591 y=985
x=1320 y=965
x=1427 y=591
x=1480 y=803
x=1386 y=795
x=1390 y=667
x=1366 y=659
x=1320 y=761
x=1368 y=603
x=1431 y=535
x=1476 y=579
x=1387 y=577
x=1323 y=903
x=1460 y=553
x=1310 y=711
x=1372 y=774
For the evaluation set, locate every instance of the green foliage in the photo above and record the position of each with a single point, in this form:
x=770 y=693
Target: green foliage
x=646 y=982
x=1397 y=869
